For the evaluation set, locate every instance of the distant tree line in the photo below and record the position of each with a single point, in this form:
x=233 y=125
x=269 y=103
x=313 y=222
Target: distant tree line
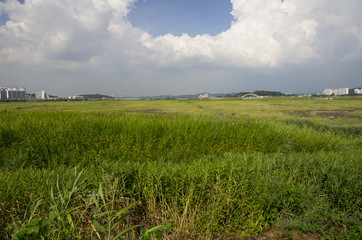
x=95 y=96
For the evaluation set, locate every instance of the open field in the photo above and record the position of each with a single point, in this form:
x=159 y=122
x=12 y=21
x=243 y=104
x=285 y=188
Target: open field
x=215 y=168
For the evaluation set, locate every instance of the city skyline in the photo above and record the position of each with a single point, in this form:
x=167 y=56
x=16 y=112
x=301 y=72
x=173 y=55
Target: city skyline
x=15 y=93
x=150 y=48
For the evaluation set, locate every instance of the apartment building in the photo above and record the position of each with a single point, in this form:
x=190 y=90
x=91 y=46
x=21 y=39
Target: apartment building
x=12 y=93
x=339 y=91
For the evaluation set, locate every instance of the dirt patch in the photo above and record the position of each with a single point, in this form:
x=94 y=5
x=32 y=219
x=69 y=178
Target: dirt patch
x=281 y=105
x=327 y=114
x=147 y=110
x=276 y=233
x=32 y=106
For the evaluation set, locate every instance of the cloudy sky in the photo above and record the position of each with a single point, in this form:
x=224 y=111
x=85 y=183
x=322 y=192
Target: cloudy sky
x=156 y=47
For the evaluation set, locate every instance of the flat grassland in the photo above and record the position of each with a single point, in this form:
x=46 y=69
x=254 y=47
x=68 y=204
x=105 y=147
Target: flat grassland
x=217 y=169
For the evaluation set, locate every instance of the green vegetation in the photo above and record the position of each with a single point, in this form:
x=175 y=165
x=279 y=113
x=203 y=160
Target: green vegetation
x=215 y=168
x=95 y=96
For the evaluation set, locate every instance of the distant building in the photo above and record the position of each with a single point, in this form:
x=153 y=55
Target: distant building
x=343 y=91
x=41 y=95
x=202 y=96
x=12 y=93
x=327 y=91
x=76 y=98
x=358 y=90
x=3 y=94
x=336 y=92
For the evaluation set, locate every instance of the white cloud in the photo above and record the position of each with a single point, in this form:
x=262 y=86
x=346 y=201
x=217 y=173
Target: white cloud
x=64 y=29
x=95 y=36
x=356 y=54
x=264 y=33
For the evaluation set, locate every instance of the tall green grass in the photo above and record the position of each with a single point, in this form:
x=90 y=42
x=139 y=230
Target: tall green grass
x=58 y=138
x=210 y=175
x=231 y=194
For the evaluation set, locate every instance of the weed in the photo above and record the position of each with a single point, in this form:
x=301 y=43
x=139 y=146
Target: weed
x=237 y=173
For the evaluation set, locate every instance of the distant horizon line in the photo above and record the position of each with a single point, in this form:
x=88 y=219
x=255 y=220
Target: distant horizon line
x=175 y=95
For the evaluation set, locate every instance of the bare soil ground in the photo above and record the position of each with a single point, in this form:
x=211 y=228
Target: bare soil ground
x=276 y=233
x=327 y=114
x=148 y=110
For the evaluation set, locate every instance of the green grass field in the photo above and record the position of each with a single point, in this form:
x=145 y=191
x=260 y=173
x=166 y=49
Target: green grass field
x=215 y=168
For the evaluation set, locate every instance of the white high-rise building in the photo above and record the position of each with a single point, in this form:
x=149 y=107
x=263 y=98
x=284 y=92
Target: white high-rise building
x=202 y=96
x=339 y=91
x=12 y=93
x=358 y=91
x=328 y=91
x=343 y=91
x=41 y=95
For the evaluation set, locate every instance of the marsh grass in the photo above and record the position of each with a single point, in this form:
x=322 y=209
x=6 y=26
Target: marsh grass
x=235 y=193
x=57 y=138
x=211 y=175
x=73 y=212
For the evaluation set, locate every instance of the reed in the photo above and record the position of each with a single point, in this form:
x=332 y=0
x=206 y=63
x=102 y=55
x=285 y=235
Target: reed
x=99 y=174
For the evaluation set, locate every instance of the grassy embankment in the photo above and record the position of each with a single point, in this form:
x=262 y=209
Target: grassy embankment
x=213 y=168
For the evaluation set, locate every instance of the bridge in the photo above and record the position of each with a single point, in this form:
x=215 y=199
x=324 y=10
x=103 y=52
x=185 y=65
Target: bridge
x=251 y=95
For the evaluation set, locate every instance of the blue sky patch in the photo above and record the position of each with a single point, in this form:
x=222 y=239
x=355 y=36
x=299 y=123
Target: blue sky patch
x=20 y=1
x=194 y=17
x=3 y=18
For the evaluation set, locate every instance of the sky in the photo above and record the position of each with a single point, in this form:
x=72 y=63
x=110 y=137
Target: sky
x=158 y=47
